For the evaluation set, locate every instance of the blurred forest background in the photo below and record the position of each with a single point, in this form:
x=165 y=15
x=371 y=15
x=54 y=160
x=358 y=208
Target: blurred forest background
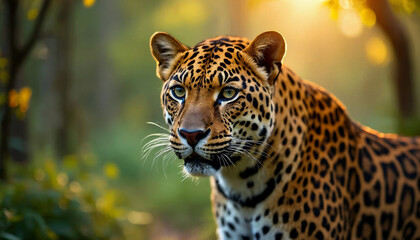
x=78 y=86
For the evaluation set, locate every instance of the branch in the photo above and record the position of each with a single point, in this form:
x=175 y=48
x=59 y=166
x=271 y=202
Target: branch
x=35 y=32
x=11 y=12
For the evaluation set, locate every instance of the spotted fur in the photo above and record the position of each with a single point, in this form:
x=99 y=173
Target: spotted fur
x=285 y=159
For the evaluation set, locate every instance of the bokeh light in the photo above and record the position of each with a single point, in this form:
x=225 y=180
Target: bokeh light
x=139 y=218
x=376 y=51
x=88 y=3
x=350 y=23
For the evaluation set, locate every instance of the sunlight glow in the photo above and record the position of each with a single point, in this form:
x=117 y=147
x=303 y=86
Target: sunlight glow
x=350 y=23
x=306 y=6
x=344 y=4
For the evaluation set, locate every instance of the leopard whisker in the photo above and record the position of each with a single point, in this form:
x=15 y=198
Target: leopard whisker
x=158 y=125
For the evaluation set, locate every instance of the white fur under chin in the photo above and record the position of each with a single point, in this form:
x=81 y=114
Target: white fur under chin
x=199 y=169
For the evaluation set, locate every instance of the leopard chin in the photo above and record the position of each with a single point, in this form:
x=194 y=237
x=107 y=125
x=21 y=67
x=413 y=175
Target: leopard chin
x=197 y=166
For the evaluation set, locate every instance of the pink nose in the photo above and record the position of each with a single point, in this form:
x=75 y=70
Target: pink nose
x=193 y=136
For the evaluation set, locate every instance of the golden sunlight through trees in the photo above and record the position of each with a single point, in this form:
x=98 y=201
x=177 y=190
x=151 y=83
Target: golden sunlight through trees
x=351 y=16
x=79 y=87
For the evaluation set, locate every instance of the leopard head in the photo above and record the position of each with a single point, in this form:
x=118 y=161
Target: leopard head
x=217 y=96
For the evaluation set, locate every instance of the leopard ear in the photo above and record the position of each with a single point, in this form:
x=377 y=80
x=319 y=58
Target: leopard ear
x=164 y=49
x=267 y=50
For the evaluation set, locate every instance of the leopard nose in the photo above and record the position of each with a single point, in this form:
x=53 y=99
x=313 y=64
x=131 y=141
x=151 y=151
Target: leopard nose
x=193 y=136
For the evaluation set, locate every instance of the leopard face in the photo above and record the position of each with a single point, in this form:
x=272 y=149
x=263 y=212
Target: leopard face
x=216 y=99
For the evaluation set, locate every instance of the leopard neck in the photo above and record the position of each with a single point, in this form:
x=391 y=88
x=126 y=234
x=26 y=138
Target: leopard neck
x=270 y=165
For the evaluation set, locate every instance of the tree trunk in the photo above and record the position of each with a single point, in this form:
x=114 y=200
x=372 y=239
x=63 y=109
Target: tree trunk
x=64 y=29
x=11 y=12
x=403 y=74
x=16 y=56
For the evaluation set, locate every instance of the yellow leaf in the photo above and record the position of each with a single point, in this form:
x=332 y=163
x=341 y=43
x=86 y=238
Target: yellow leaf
x=4 y=76
x=107 y=203
x=3 y=62
x=334 y=13
x=51 y=234
x=368 y=17
x=70 y=161
x=24 y=99
x=88 y=3
x=13 y=98
x=409 y=6
x=32 y=14
x=111 y=170
x=2 y=98
x=50 y=168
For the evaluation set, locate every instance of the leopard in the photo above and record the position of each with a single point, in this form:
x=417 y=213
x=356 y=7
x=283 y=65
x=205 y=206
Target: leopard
x=284 y=158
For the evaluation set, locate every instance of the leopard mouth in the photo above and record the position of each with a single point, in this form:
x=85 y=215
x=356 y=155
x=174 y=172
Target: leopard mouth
x=196 y=165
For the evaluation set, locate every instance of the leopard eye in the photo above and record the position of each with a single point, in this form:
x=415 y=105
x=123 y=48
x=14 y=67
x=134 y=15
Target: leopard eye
x=228 y=93
x=178 y=92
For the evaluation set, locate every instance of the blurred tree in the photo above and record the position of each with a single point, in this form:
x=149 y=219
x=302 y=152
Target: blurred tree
x=381 y=12
x=403 y=75
x=62 y=80
x=104 y=82
x=16 y=54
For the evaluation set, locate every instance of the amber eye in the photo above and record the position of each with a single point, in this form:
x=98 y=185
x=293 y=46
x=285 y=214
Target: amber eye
x=228 y=93
x=178 y=92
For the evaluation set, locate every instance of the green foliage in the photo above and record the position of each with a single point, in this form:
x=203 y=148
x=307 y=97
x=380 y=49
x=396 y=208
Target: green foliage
x=50 y=205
